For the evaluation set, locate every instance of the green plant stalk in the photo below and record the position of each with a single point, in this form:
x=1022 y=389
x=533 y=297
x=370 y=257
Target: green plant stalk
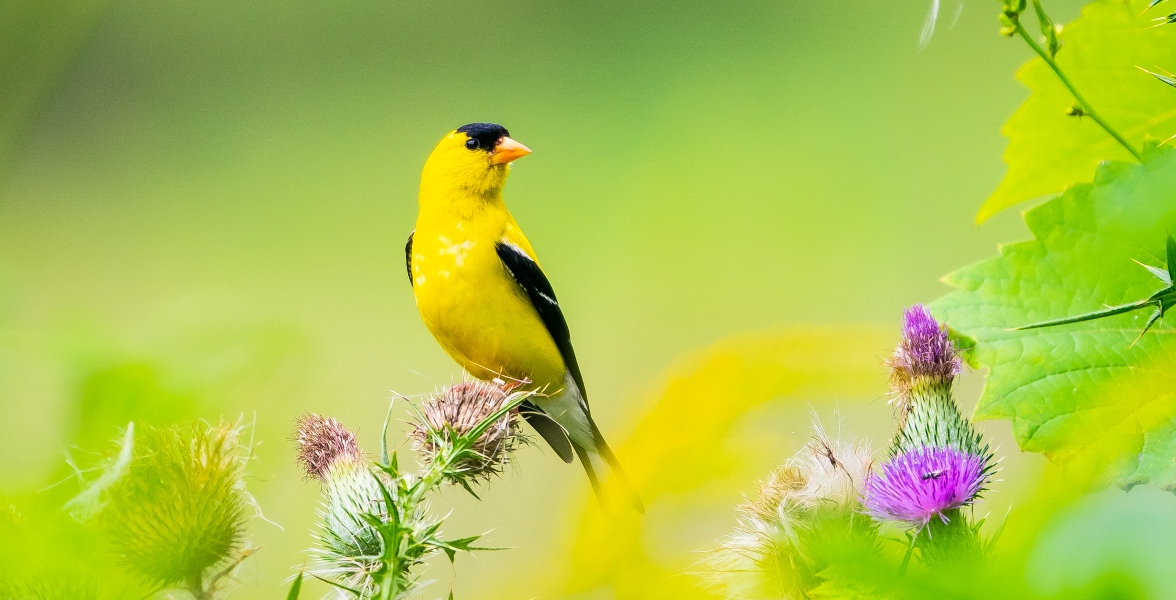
x=430 y=479
x=433 y=475
x=196 y=588
x=1086 y=107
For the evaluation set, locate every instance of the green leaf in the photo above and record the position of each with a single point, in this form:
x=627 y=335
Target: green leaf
x=1089 y=395
x=355 y=592
x=1102 y=49
x=295 y=588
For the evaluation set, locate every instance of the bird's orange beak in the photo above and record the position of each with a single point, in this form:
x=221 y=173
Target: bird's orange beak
x=508 y=150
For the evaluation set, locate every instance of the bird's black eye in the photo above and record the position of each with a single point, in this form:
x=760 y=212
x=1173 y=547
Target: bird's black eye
x=472 y=144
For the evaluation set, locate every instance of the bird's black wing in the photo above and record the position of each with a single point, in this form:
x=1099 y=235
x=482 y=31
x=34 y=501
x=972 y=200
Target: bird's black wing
x=531 y=278
x=408 y=257
x=548 y=429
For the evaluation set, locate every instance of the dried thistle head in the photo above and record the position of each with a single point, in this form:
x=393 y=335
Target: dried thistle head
x=321 y=441
x=454 y=413
x=180 y=508
x=772 y=551
x=781 y=487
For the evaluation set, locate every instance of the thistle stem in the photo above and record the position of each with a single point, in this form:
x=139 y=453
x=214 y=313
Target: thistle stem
x=1086 y=107
x=196 y=588
x=395 y=581
x=906 y=558
x=432 y=476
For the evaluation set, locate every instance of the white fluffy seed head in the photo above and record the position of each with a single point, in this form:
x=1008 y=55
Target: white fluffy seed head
x=766 y=555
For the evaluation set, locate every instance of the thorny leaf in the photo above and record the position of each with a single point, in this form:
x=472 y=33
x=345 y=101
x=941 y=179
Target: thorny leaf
x=1161 y=300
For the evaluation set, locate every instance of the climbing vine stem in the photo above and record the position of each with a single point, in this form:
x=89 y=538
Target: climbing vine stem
x=1013 y=18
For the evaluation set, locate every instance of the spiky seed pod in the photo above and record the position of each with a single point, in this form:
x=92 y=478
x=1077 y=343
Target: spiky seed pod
x=454 y=413
x=180 y=508
x=349 y=547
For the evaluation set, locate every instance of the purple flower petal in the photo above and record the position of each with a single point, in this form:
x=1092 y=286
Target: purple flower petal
x=925 y=349
x=923 y=483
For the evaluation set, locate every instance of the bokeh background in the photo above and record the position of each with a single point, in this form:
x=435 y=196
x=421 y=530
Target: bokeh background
x=203 y=207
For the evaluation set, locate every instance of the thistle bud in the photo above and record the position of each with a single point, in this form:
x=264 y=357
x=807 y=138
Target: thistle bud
x=349 y=547
x=321 y=442
x=180 y=509
x=454 y=414
x=923 y=369
x=925 y=354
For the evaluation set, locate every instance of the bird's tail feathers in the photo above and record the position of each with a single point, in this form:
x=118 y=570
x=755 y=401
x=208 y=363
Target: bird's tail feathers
x=590 y=469
x=592 y=460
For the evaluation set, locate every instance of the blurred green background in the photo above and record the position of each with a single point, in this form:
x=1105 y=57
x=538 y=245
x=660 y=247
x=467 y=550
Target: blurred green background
x=203 y=207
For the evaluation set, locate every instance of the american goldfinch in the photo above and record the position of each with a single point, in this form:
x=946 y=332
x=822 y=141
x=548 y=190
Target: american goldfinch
x=482 y=294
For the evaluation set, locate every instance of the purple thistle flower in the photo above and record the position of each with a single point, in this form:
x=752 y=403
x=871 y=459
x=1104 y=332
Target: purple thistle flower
x=923 y=483
x=925 y=350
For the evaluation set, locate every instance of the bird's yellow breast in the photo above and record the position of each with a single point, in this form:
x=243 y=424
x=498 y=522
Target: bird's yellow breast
x=470 y=302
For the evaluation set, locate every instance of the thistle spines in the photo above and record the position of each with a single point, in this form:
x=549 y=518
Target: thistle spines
x=177 y=509
x=931 y=419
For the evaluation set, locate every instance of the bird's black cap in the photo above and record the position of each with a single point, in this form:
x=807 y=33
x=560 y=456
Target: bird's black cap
x=487 y=134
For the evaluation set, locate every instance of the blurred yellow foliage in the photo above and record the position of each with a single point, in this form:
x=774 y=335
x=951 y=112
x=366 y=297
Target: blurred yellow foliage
x=679 y=445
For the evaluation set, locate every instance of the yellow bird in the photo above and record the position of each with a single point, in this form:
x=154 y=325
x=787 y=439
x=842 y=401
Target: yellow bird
x=482 y=294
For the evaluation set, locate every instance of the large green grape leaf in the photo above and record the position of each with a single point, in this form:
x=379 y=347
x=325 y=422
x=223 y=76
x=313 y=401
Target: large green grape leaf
x=1101 y=54
x=1096 y=397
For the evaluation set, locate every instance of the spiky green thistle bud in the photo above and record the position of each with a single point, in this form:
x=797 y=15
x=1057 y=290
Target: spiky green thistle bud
x=923 y=370
x=349 y=547
x=177 y=515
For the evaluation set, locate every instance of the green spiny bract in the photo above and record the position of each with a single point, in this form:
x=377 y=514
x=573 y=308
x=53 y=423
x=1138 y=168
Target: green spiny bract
x=929 y=417
x=179 y=511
